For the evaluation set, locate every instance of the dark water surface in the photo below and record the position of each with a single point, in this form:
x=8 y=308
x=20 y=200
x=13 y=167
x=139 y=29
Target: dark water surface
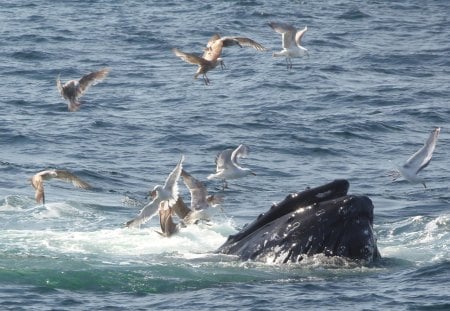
x=376 y=82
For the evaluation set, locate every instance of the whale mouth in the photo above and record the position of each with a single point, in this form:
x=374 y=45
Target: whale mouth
x=352 y=234
x=323 y=220
x=340 y=227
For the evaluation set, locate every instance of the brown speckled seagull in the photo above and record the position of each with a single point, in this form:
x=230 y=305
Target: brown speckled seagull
x=211 y=55
x=168 y=227
x=74 y=89
x=37 y=181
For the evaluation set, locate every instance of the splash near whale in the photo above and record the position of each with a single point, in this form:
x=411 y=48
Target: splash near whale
x=323 y=220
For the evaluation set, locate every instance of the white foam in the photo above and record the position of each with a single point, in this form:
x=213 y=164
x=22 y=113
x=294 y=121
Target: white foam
x=119 y=244
x=420 y=239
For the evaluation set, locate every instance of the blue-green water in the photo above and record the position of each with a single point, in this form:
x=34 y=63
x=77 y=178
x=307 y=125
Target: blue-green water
x=375 y=83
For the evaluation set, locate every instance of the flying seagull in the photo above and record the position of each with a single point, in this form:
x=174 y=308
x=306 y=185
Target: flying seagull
x=169 y=192
x=200 y=199
x=37 y=181
x=74 y=89
x=227 y=166
x=211 y=55
x=419 y=160
x=291 y=41
x=163 y=197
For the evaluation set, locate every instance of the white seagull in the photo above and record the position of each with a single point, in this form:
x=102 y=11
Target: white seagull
x=419 y=160
x=163 y=197
x=169 y=192
x=227 y=166
x=291 y=41
x=37 y=181
x=74 y=89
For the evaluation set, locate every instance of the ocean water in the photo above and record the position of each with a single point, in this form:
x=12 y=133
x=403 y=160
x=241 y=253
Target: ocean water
x=376 y=82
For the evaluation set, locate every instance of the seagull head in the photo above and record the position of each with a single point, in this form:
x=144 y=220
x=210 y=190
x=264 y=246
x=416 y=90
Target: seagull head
x=214 y=200
x=156 y=191
x=163 y=194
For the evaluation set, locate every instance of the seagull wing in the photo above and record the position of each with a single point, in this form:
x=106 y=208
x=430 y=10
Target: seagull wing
x=69 y=177
x=38 y=184
x=189 y=58
x=240 y=152
x=299 y=35
x=213 y=40
x=91 y=78
x=214 y=47
x=213 y=50
x=422 y=157
x=146 y=213
x=171 y=183
x=242 y=41
x=223 y=159
x=59 y=86
x=287 y=33
x=180 y=209
x=197 y=189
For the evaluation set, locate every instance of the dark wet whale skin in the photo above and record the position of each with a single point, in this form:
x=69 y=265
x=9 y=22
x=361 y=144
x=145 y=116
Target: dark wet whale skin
x=319 y=220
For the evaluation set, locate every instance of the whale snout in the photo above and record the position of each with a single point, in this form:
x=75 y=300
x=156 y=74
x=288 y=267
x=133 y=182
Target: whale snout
x=323 y=220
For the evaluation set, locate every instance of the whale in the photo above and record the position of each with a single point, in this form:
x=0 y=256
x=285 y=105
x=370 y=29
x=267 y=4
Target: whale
x=323 y=220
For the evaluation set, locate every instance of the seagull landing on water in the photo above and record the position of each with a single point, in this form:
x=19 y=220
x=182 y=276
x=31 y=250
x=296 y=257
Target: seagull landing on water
x=211 y=55
x=74 y=89
x=37 y=181
x=163 y=197
x=227 y=166
x=291 y=42
x=418 y=161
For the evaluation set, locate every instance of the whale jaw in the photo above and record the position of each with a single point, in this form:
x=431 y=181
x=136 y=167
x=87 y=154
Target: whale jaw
x=323 y=220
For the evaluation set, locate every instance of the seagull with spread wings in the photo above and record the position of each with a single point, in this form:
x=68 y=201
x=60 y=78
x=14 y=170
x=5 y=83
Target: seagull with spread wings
x=163 y=197
x=227 y=166
x=72 y=90
x=200 y=199
x=419 y=160
x=291 y=41
x=37 y=181
x=211 y=55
